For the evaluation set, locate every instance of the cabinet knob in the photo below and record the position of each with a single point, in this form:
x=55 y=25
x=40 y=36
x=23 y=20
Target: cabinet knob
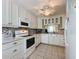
x=15 y=43
x=15 y=50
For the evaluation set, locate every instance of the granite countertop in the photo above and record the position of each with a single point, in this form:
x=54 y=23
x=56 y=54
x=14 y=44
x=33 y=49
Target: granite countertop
x=12 y=39
x=52 y=33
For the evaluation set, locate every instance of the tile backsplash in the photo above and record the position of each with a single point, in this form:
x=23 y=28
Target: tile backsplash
x=10 y=32
x=7 y=32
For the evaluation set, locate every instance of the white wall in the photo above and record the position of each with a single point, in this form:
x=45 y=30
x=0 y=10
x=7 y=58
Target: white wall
x=70 y=31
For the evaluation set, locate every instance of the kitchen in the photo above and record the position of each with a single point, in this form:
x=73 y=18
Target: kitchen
x=33 y=29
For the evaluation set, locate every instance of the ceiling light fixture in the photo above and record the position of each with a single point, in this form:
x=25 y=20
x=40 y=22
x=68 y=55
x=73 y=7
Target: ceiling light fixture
x=46 y=8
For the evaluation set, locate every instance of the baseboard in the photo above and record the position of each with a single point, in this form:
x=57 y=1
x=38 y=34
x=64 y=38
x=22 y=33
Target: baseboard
x=53 y=45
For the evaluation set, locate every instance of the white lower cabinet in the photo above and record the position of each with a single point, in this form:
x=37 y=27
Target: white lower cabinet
x=15 y=52
x=44 y=38
x=53 y=39
x=38 y=39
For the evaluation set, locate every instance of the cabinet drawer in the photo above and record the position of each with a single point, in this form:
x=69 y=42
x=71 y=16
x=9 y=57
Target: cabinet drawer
x=7 y=54
x=18 y=49
x=9 y=45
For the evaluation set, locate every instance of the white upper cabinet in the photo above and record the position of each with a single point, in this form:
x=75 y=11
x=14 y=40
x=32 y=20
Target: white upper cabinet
x=34 y=22
x=22 y=12
x=43 y=22
x=9 y=13
x=39 y=23
x=14 y=14
x=6 y=13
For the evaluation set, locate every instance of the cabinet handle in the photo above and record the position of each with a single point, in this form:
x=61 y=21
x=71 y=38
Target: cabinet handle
x=15 y=43
x=15 y=50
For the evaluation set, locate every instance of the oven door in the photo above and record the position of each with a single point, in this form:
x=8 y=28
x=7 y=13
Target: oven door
x=30 y=42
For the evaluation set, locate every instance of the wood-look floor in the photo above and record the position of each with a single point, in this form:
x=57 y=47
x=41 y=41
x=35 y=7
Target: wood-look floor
x=48 y=52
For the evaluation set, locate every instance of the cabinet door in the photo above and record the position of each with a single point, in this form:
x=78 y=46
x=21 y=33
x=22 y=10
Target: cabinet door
x=39 y=23
x=45 y=22
x=37 y=39
x=6 y=13
x=6 y=54
x=56 y=40
x=14 y=14
x=52 y=39
x=63 y=22
x=56 y=20
x=49 y=21
x=61 y=40
x=34 y=22
x=52 y=20
x=44 y=38
x=22 y=12
x=17 y=56
x=42 y=23
x=60 y=22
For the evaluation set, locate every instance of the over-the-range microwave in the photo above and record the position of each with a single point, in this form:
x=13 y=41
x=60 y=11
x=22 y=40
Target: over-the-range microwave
x=24 y=22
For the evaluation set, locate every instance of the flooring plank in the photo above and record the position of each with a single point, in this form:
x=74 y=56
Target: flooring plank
x=48 y=52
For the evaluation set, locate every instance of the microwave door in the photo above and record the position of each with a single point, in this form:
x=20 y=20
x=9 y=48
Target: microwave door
x=24 y=24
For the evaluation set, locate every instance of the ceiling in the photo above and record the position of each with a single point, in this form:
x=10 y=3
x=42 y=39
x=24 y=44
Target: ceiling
x=58 y=6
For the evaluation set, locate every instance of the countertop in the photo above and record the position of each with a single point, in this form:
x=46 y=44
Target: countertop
x=51 y=33
x=12 y=39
